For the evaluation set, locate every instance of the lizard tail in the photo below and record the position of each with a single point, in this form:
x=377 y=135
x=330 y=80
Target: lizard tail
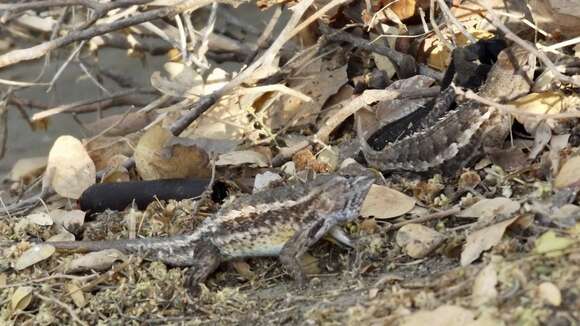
x=175 y=251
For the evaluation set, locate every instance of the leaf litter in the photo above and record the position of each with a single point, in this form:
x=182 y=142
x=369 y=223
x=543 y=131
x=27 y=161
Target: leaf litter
x=510 y=255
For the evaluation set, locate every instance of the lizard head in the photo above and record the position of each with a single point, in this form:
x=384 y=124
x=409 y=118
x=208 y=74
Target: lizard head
x=342 y=196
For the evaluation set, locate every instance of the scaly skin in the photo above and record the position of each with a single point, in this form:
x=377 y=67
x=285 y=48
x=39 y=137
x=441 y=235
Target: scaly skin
x=460 y=135
x=283 y=222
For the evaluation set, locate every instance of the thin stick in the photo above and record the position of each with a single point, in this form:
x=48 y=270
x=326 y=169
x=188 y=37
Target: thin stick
x=512 y=109
x=455 y=22
x=436 y=29
x=90 y=105
x=64 y=65
x=39 y=50
x=67 y=307
x=428 y=217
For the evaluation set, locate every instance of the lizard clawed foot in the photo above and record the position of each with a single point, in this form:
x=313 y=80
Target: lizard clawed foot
x=206 y=260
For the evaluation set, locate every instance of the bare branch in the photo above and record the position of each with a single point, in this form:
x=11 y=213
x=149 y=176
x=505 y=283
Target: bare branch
x=38 y=51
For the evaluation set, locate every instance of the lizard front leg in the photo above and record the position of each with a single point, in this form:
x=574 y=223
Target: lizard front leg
x=296 y=247
x=206 y=259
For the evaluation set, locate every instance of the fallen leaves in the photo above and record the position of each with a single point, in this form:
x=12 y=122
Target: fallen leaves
x=486 y=209
x=69 y=170
x=159 y=156
x=384 y=203
x=568 y=175
x=549 y=242
x=237 y=158
x=21 y=298
x=98 y=261
x=484 y=287
x=33 y=255
x=27 y=169
x=443 y=316
x=549 y=293
x=482 y=240
x=418 y=240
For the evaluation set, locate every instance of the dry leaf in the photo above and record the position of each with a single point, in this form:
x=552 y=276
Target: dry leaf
x=102 y=149
x=21 y=298
x=63 y=235
x=243 y=157
x=263 y=180
x=329 y=156
x=122 y=124
x=320 y=85
x=384 y=203
x=33 y=255
x=70 y=170
x=486 y=209
x=440 y=56
x=68 y=219
x=117 y=174
x=158 y=156
x=442 y=316
x=42 y=219
x=418 y=240
x=402 y=8
x=482 y=240
x=549 y=293
x=484 y=290
x=243 y=269
x=558 y=17
x=550 y=242
x=557 y=143
x=509 y=159
x=98 y=261
x=27 y=169
x=568 y=175
x=542 y=103
x=542 y=136
x=74 y=291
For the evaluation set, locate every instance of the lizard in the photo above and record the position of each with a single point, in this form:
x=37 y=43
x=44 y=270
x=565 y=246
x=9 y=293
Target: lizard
x=449 y=140
x=284 y=221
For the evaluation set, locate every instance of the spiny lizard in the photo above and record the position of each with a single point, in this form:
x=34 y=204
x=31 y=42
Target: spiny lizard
x=284 y=222
x=451 y=141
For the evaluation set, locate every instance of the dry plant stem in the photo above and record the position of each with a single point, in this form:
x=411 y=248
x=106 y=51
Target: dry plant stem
x=38 y=51
x=436 y=29
x=205 y=102
x=353 y=106
x=95 y=5
x=511 y=109
x=50 y=277
x=455 y=22
x=406 y=66
x=67 y=307
x=429 y=217
x=122 y=98
x=491 y=15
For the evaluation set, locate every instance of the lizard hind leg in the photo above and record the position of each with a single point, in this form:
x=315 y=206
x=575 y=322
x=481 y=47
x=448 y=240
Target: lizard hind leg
x=301 y=241
x=206 y=259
